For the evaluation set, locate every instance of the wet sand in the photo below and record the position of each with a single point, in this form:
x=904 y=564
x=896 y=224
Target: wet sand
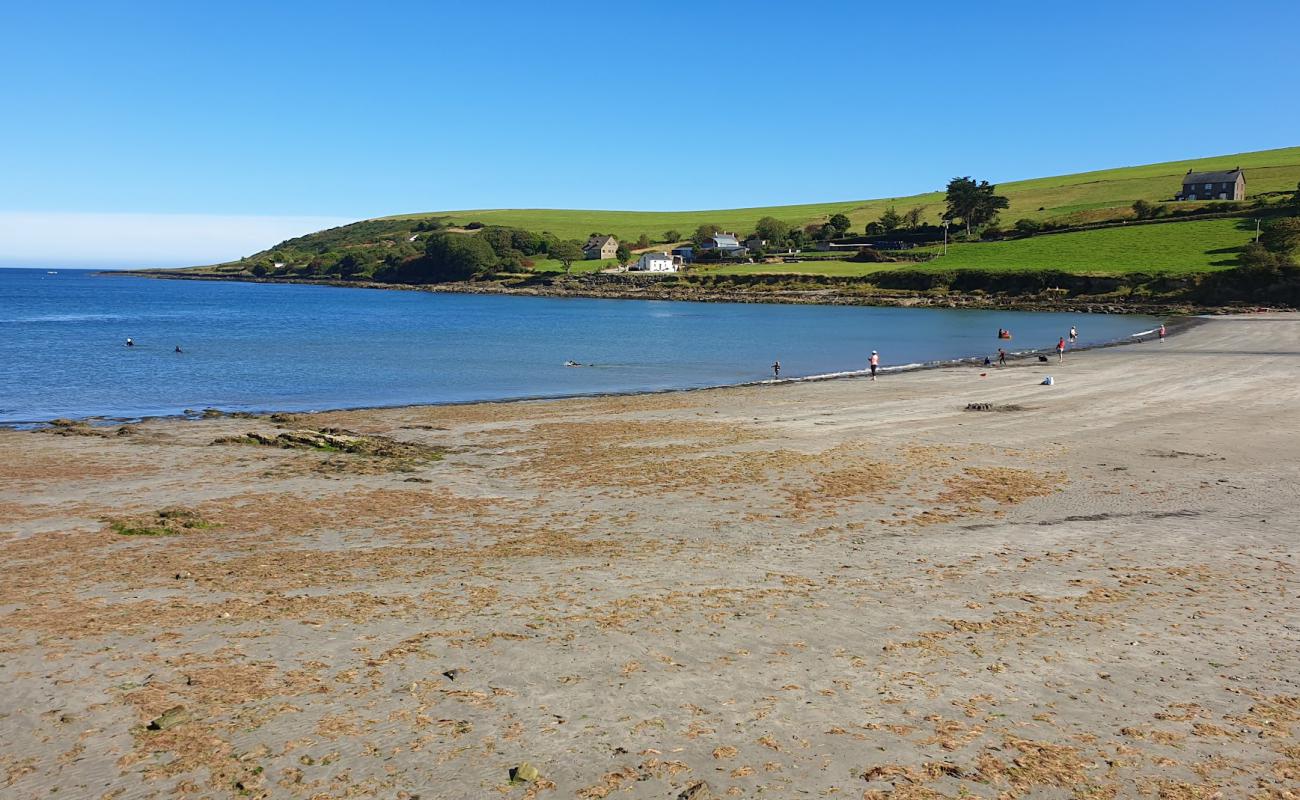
x=840 y=588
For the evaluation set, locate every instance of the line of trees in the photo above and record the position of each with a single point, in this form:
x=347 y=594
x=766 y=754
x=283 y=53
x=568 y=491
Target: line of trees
x=890 y=221
x=491 y=249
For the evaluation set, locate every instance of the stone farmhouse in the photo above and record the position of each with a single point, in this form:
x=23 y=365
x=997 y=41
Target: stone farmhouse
x=598 y=247
x=1229 y=185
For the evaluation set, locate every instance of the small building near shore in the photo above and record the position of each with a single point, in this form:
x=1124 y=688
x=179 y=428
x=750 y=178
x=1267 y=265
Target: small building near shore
x=725 y=245
x=600 y=247
x=1227 y=185
x=720 y=241
x=657 y=262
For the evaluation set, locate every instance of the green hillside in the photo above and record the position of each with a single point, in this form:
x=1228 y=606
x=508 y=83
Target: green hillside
x=394 y=249
x=1174 y=247
x=1080 y=197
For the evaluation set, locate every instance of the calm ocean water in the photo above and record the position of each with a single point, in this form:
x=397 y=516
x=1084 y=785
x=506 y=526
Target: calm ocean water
x=259 y=347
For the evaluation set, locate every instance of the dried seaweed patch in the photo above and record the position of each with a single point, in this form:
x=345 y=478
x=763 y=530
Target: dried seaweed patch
x=164 y=522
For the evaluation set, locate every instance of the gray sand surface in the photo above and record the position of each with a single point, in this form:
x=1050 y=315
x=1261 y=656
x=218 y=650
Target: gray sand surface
x=826 y=589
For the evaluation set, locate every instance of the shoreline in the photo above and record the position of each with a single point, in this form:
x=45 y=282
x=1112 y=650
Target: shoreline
x=651 y=289
x=1174 y=326
x=932 y=585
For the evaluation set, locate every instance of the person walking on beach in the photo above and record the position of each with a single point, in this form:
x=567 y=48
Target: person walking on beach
x=776 y=369
x=1074 y=334
x=1060 y=349
x=875 y=363
x=1002 y=357
x=1162 y=331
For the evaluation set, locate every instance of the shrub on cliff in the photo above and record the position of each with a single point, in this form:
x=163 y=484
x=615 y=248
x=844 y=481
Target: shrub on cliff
x=1264 y=278
x=869 y=255
x=913 y=280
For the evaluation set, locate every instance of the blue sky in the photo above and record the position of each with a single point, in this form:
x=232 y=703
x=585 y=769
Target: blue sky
x=323 y=111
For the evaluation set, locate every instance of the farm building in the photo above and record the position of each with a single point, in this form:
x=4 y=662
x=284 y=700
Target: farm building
x=725 y=243
x=720 y=241
x=657 y=262
x=598 y=247
x=1229 y=185
x=686 y=253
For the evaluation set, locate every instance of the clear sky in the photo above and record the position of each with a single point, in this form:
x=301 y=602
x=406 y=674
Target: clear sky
x=203 y=127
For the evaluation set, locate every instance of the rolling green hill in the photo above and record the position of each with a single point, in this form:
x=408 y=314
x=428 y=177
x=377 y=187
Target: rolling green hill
x=1080 y=197
x=364 y=249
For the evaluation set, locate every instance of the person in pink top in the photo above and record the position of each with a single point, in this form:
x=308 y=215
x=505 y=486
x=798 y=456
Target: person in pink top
x=1060 y=349
x=1162 y=331
x=875 y=363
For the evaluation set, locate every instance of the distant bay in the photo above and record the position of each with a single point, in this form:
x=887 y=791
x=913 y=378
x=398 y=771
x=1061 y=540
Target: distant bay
x=278 y=347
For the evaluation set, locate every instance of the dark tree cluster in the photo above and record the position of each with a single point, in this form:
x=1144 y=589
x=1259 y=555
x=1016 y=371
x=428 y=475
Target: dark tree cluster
x=973 y=202
x=493 y=249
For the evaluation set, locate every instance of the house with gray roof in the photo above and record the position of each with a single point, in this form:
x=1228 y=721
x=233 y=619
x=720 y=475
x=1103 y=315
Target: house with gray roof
x=721 y=241
x=598 y=247
x=726 y=245
x=1224 y=185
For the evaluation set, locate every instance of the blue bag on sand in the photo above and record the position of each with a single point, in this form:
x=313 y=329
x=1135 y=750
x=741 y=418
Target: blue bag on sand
x=1048 y=381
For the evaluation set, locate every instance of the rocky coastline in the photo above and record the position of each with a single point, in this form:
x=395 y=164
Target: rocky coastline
x=642 y=287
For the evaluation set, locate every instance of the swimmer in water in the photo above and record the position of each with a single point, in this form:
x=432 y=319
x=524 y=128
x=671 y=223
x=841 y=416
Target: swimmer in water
x=130 y=342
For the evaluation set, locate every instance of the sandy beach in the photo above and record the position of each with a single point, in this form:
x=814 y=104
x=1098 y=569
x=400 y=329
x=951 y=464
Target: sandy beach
x=844 y=588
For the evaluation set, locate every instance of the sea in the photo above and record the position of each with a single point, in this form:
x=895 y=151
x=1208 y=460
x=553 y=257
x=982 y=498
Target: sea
x=279 y=347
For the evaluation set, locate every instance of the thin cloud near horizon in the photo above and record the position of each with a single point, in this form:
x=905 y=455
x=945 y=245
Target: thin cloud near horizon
x=126 y=240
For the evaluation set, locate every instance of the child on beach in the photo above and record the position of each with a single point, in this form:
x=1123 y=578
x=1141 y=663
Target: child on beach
x=1162 y=331
x=1002 y=357
x=875 y=363
x=1060 y=349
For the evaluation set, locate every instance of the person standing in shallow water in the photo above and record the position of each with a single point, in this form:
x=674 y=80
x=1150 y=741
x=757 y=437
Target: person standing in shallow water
x=776 y=369
x=875 y=363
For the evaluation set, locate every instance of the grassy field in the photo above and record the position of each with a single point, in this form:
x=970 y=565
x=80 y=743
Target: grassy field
x=1178 y=247
x=628 y=225
x=579 y=267
x=1078 y=197
x=1175 y=247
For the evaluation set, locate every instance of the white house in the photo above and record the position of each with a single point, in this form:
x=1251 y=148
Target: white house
x=655 y=262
